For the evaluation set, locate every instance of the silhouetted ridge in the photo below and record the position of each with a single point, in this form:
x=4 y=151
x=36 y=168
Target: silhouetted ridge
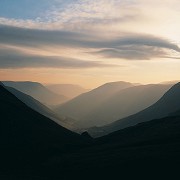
x=28 y=139
x=1 y=84
x=22 y=126
x=39 y=107
x=86 y=135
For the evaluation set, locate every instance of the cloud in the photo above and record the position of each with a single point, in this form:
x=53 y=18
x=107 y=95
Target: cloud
x=139 y=47
x=96 y=15
x=93 y=11
x=34 y=37
x=133 y=53
x=12 y=59
x=146 y=40
x=124 y=46
x=62 y=14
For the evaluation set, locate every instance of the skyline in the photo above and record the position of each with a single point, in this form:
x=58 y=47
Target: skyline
x=90 y=42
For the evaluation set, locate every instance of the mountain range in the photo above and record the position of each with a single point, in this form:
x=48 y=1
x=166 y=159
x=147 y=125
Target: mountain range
x=110 y=102
x=79 y=107
x=68 y=90
x=27 y=137
x=169 y=103
x=37 y=91
x=35 y=147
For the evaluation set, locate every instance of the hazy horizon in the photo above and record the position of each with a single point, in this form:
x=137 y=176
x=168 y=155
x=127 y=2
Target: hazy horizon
x=95 y=86
x=89 y=43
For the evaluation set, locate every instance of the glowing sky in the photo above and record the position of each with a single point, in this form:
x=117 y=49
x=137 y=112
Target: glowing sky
x=90 y=42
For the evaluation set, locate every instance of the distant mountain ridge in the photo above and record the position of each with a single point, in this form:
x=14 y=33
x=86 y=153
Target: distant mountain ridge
x=82 y=105
x=37 y=91
x=170 y=102
x=68 y=90
x=110 y=102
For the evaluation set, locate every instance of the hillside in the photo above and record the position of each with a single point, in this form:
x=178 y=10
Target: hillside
x=79 y=107
x=34 y=147
x=149 y=148
x=42 y=109
x=98 y=108
x=170 y=102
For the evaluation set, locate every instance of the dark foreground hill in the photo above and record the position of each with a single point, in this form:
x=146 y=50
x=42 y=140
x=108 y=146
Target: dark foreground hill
x=148 y=149
x=42 y=109
x=27 y=137
x=19 y=120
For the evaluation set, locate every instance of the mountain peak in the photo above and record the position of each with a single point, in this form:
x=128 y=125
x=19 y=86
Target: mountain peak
x=117 y=83
x=174 y=91
x=114 y=86
x=177 y=85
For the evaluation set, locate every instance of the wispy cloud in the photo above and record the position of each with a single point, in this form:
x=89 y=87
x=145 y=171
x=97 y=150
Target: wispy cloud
x=133 y=53
x=139 y=47
x=14 y=59
x=124 y=46
x=78 y=14
x=94 y=11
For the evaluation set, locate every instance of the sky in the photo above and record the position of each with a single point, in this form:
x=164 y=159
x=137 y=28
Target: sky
x=90 y=42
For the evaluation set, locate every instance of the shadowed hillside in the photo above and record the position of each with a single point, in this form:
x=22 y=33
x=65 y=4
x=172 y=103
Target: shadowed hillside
x=170 y=102
x=151 y=148
x=21 y=123
x=42 y=109
x=27 y=138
